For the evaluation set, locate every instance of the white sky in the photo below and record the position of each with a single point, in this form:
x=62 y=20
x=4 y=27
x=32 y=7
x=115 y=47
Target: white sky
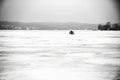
x=83 y=11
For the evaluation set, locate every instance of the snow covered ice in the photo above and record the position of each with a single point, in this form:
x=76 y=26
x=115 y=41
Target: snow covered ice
x=56 y=55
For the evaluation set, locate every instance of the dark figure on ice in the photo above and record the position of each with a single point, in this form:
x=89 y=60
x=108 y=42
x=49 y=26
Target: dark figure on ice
x=71 y=32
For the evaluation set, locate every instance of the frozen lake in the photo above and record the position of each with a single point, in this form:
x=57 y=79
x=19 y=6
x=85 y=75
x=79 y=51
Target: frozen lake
x=56 y=55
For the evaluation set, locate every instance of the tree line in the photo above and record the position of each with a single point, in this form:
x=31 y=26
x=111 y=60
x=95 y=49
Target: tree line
x=109 y=26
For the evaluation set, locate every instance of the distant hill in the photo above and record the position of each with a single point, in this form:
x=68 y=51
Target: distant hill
x=48 y=26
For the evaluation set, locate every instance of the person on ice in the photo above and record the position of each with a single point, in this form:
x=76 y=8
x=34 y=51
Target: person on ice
x=71 y=32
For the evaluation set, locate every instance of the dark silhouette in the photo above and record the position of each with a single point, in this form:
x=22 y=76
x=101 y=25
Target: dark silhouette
x=71 y=32
x=115 y=27
x=109 y=26
x=100 y=27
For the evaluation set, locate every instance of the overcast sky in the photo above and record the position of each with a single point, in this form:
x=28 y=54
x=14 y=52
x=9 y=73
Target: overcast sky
x=83 y=11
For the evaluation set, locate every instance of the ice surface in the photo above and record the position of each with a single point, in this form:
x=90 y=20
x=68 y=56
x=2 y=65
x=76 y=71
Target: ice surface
x=56 y=55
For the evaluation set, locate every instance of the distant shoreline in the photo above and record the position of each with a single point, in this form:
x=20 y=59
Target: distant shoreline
x=56 y=26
